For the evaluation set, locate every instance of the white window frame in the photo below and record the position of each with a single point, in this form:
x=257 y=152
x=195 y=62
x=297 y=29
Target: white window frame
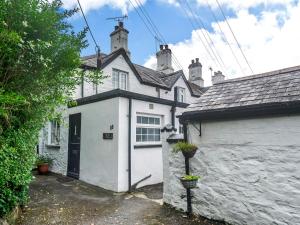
x=119 y=79
x=50 y=132
x=181 y=94
x=156 y=126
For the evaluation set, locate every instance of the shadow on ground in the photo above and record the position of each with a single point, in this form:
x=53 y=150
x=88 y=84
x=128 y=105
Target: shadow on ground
x=61 y=200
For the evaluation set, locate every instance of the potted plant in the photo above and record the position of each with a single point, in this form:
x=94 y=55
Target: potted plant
x=189 y=181
x=43 y=162
x=188 y=150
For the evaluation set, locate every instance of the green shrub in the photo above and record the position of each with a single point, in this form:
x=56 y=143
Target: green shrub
x=190 y=177
x=39 y=61
x=184 y=147
x=42 y=159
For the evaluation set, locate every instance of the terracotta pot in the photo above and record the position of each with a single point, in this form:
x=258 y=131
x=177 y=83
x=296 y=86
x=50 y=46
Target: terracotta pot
x=43 y=168
x=189 y=154
x=189 y=183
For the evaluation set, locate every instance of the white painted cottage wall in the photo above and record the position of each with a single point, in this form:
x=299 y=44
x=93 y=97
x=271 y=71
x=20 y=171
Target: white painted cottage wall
x=250 y=171
x=145 y=161
x=99 y=157
x=58 y=154
x=134 y=84
x=170 y=94
x=123 y=145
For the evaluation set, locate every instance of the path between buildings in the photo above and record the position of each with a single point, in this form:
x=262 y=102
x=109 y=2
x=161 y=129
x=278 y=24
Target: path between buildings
x=61 y=200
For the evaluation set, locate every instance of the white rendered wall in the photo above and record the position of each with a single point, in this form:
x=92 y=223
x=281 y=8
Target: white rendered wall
x=134 y=84
x=145 y=161
x=99 y=157
x=250 y=171
x=170 y=94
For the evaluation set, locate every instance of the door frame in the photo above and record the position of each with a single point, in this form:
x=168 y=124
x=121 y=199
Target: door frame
x=71 y=174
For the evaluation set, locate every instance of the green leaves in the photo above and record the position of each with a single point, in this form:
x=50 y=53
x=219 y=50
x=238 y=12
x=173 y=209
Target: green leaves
x=184 y=147
x=39 y=61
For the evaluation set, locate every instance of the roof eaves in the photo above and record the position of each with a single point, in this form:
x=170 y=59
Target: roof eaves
x=243 y=112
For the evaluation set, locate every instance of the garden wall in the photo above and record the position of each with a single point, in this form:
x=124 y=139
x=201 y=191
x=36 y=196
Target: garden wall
x=250 y=171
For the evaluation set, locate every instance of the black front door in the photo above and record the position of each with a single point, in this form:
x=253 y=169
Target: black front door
x=74 y=145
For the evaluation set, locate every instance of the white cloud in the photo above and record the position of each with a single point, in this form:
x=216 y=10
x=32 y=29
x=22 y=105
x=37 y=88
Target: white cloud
x=267 y=43
x=232 y=4
x=87 y=5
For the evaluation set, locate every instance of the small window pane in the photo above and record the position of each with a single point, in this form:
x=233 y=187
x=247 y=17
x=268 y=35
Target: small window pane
x=145 y=120
x=144 y=138
x=151 y=131
x=55 y=133
x=157 y=138
x=138 y=131
x=151 y=120
x=139 y=119
x=151 y=138
x=138 y=138
x=144 y=131
x=157 y=131
x=157 y=121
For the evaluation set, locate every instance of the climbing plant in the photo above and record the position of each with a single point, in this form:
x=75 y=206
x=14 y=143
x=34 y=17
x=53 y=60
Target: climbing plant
x=39 y=61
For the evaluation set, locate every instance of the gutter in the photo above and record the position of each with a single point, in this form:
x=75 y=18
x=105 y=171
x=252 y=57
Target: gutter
x=258 y=110
x=126 y=94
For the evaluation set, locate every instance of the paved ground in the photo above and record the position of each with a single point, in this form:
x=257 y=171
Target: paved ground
x=61 y=200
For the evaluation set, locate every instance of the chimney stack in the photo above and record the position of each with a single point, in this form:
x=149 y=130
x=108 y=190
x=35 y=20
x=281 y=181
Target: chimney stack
x=164 y=59
x=119 y=38
x=217 y=77
x=195 y=72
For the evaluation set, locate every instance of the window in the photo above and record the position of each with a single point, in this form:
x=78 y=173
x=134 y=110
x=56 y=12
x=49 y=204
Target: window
x=148 y=129
x=119 y=79
x=54 y=133
x=180 y=94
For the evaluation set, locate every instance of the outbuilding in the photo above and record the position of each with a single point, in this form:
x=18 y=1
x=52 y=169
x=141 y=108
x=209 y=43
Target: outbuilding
x=248 y=134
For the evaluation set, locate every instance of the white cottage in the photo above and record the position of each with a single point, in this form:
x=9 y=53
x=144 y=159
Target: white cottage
x=112 y=137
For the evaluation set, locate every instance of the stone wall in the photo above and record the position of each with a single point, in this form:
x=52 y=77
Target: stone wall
x=59 y=154
x=250 y=171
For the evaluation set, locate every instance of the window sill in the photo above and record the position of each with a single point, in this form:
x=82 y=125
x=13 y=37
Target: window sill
x=147 y=146
x=52 y=146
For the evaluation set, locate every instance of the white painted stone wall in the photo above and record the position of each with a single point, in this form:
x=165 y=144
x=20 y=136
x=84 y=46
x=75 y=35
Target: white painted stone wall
x=250 y=171
x=58 y=154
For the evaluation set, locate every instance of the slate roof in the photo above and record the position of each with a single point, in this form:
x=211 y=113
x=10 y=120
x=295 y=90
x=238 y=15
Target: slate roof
x=280 y=87
x=145 y=75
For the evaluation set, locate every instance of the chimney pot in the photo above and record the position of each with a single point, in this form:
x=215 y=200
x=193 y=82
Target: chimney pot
x=197 y=59
x=161 y=47
x=116 y=27
x=166 y=46
x=193 y=61
x=121 y=24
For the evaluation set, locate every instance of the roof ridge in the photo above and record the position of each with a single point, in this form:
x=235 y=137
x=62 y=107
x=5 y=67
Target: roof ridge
x=260 y=75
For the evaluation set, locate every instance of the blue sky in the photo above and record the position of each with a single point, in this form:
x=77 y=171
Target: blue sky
x=262 y=27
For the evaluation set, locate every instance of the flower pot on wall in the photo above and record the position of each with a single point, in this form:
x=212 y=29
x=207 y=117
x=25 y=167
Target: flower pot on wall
x=189 y=154
x=189 y=183
x=43 y=169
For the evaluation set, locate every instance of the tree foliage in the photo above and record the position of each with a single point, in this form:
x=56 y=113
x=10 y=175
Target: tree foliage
x=39 y=61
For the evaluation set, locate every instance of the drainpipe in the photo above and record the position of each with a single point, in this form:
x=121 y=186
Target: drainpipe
x=173 y=109
x=187 y=172
x=129 y=143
